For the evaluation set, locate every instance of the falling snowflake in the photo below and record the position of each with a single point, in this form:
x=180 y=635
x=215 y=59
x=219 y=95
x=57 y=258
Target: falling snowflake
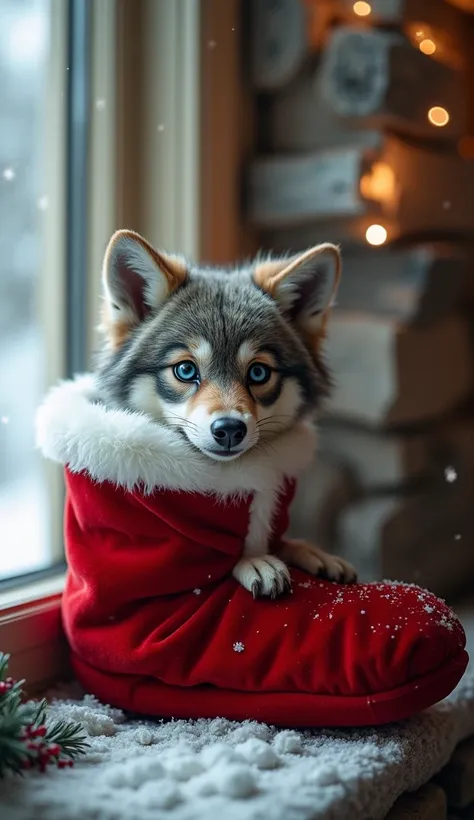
x=100 y=104
x=212 y=44
x=450 y=474
x=5 y=419
x=9 y=174
x=446 y=205
x=457 y=537
x=362 y=612
x=238 y=646
x=42 y=203
x=196 y=591
x=161 y=127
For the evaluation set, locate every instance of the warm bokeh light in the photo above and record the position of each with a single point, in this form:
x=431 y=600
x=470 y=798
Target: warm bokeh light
x=362 y=9
x=376 y=234
x=427 y=46
x=378 y=183
x=438 y=116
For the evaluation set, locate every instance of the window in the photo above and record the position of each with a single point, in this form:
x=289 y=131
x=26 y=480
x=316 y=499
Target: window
x=24 y=202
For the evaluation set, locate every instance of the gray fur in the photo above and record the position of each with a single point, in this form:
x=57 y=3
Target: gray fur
x=226 y=308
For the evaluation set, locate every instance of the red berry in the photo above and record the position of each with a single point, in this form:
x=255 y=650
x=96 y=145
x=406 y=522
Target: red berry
x=27 y=763
x=3 y=687
x=40 y=731
x=54 y=749
x=9 y=681
x=62 y=764
x=32 y=746
x=70 y=763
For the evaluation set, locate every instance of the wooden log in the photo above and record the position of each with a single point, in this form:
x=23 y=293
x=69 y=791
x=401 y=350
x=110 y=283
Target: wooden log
x=427 y=803
x=324 y=490
x=457 y=778
x=383 y=461
x=418 y=285
x=378 y=80
x=284 y=33
x=377 y=461
x=408 y=190
x=434 y=27
x=426 y=538
x=391 y=375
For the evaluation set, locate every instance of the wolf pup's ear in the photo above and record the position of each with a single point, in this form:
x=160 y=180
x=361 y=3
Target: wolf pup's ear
x=137 y=279
x=304 y=285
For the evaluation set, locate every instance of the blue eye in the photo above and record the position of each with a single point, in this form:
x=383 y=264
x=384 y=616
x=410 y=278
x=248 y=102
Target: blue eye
x=186 y=372
x=259 y=373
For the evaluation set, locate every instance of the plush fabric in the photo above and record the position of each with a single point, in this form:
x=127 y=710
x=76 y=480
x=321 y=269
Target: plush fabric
x=155 y=620
x=151 y=610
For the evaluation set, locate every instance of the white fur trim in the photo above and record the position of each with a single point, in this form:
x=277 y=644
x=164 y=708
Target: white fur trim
x=131 y=450
x=262 y=510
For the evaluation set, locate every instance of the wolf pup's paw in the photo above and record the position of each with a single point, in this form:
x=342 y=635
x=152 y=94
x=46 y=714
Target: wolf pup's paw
x=316 y=561
x=266 y=575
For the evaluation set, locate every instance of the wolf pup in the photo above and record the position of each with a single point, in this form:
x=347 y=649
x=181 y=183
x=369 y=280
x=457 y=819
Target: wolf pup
x=229 y=362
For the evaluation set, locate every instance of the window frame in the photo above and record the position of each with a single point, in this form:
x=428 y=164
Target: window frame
x=144 y=55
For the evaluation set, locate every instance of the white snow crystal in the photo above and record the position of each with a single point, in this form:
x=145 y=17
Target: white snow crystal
x=162 y=795
x=43 y=203
x=184 y=767
x=5 y=419
x=238 y=646
x=202 y=786
x=144 y=737
x=288 y=742
x=212 y=44
x=197 y=591
x=134 y=773
x=450 y=474
x=326 y=777
x=259 y=753
x=9 y=174
x=100 y=104
x=457 y=537
x=429 y=609
x=218 y=753
x=234 y=780
x=161 y=127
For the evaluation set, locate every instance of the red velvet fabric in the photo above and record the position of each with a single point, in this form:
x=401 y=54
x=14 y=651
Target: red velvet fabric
x=157 y=624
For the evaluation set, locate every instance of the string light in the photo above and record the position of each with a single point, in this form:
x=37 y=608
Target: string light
x=427 y=46
x=438 y=116
x=378 y=183
x=376 y=234
x=362 y=9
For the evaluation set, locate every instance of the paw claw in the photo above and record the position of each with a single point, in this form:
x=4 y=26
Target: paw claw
x=266 y=576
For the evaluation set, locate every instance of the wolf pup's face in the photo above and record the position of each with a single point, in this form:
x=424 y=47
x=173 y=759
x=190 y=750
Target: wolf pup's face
x=228 y=358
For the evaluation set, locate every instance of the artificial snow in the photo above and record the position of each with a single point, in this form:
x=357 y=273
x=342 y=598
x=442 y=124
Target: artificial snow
x=189 y=770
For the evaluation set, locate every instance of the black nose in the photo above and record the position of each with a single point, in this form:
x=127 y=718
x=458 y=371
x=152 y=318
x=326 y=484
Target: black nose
x=228 y=432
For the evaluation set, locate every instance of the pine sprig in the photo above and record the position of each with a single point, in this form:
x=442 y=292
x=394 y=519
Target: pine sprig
x=26 y=739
